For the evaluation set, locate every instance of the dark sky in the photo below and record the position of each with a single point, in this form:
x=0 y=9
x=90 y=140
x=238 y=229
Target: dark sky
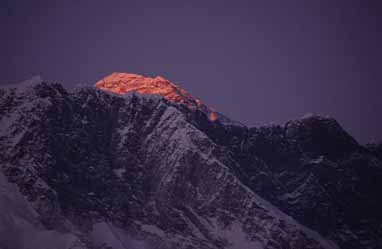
x=255 y=61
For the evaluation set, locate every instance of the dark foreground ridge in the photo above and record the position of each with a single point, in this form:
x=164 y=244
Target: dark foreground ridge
x=92 y=169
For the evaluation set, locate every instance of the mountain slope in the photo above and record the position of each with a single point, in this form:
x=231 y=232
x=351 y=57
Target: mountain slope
x=311 y=168
x=133 y=171
x=315 y=172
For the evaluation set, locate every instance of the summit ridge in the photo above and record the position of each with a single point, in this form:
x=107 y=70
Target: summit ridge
x=122 y=83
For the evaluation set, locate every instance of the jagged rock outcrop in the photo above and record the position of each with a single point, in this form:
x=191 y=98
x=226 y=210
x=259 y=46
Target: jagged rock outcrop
x=143 y=171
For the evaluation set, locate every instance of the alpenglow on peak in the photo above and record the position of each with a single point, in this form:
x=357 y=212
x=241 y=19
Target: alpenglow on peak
x=122 y=83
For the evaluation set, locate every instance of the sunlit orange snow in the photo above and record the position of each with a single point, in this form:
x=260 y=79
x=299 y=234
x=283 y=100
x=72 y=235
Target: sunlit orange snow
x=122 y=83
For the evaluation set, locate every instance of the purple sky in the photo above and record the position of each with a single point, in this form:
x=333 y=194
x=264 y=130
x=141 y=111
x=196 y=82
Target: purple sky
x=255 y=61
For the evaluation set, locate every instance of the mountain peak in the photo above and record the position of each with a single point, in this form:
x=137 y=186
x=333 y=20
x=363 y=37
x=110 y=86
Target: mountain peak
x=37 y=79
x=122 y=83
x=321 y=135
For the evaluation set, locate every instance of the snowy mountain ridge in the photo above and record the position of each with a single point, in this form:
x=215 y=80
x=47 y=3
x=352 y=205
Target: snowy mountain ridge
x=133 y=171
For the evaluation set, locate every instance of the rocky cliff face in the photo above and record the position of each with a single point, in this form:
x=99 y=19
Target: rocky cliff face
x=103 y=170
x=315 y=172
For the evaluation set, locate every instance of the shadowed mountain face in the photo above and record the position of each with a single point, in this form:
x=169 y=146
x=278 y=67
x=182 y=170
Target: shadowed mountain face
x=101 y=170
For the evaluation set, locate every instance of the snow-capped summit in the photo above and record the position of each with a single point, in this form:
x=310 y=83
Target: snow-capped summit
x=122 y=83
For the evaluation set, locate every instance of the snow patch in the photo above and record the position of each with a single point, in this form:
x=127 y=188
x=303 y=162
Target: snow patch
x=234 y=235
x=119 y=172
x=153 y=230
x=20 y=227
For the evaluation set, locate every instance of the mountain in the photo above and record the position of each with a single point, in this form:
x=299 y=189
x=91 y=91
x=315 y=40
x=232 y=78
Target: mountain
x=126 y=169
